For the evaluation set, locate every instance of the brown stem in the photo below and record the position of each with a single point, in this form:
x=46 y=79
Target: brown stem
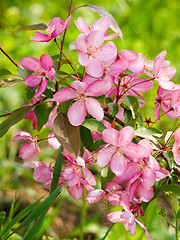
x=116 y=119
x=8 y=57
x=67 y=60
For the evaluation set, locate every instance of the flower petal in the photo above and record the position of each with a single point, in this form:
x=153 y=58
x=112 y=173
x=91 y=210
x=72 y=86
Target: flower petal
x=94 y=108
x=64 y=95
x=77 y=113
x=118 y=164
x=27 y=150
x=104 y=157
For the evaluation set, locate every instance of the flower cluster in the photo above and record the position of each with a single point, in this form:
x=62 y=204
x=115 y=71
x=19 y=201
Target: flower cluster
x=108 y=77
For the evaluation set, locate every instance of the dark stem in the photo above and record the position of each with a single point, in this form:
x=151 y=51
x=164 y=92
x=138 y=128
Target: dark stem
x=116 y=119
x=8 y=57
x=67 y=60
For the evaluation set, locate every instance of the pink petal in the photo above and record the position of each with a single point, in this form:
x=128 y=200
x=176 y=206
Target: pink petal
x=128 y=54
x=125 y=135
x=111 y=36
x=115 y=217
x=98 y=88
x=77 y=113
x=89 y=176
x=46 y=62
x=94 y=108
x=30 y=63
x=104 y=157
x=144 y=228
x=81 y=44
x=22 y=135
x=118 y=164
x=27 y=150
x=94 y=196
x=42 y=88
x=53 y=142
x=158 y=62
x=51 y=74
x=36 y=153
x=119 y=66
x=82 y=26
x=64 y=95
x=102 y=24
x=94 y=68
x=107 y=52
x=83 y=59
x=148 y=177
x=32 y=80
x=94 y=39
x=75 y=192
x=145 y=194
x=110 y=136
x=141 y=85
x=79 y=86
x=40 y=37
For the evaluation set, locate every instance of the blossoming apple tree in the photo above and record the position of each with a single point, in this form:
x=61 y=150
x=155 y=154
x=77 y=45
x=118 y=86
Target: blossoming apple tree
x=96 y=118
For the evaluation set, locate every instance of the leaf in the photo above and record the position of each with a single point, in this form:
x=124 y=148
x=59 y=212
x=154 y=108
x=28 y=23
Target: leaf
x=93 y=125
x=39 y=26
x=147 y=133
x=132 y=104
x=109 y=229
x=57 y=170
x=174 y=188
x=8 y=81
x=16 y=116
x=20 y=216
x=128 y=118
x=67 y=134
x=39 y=211
x=30 y=93
x=22 y=71
x=2 y=217
x=4 y=71
x=86 y=138
x=113 y=108
x=98 y=143
x=113 y=25
x=65 y=105
x=42 y=114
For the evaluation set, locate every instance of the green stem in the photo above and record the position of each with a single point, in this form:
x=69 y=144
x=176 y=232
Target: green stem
x=109 y=229
x=83 y=215
x=177 y=228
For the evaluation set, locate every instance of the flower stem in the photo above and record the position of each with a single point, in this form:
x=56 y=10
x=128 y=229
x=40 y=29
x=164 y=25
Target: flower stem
x=177 y=228
x=8 y=57
x=83 y=215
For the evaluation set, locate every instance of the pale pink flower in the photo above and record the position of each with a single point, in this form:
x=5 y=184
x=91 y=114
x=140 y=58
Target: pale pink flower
x=119 y=144
x=101 y=24
x=55 y=28
x=176 y=146
x=30 y=149
x=42 y=69
x=91 y=55
x=129 y=221
x=83 y=93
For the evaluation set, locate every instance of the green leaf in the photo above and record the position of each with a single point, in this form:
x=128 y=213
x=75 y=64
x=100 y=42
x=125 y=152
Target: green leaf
x=20 y=216
x=178 y=214
x=57 y=170
x=173 y=188
x=108 y=100
x=132 y=104
x=2 y=217
x=42 y=113
x=86 y=138
x=48 y=93
x=113 y=108
x=22 y=71
x=16 y=116
x=128 y=118
x=39 y=26
x=65 y=105
x=98 y=143
x=30 y=93
x=67 y=134
x=146 y=133
x=39 y=211
x=113 y=25
x=36 y=227
x=4 y=71
x=93 y=125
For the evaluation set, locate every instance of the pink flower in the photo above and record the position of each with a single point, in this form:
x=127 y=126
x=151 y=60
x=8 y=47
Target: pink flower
x=55 y=28
x=42 y=172
x=42 y=69
x=176 y=146
x=92 y=56
x=30 y=149
x=101 y=24
x=129 y=221
x=77 y=111
x=119 y=145
x=163 y=73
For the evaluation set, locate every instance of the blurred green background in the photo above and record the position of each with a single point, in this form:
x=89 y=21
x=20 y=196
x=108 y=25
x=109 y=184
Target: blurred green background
x=148 y=27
